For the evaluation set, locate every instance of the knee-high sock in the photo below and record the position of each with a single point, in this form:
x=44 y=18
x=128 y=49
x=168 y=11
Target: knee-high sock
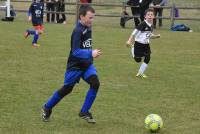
x=142 y=68
x=35 y=35
x=53 y=100
x=35 y=38
x=90 y=97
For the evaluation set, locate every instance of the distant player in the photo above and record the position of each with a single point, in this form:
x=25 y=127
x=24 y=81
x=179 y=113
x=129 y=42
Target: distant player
x=141 y=34
x=35 y=14
x=79 y=65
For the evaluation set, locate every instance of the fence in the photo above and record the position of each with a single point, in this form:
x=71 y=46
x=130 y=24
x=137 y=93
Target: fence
x=122 y=5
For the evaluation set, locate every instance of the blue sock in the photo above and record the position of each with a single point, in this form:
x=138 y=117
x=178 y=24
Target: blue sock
x=53 y=100
x=35 y=38
x=31 y=31
x=90 y=97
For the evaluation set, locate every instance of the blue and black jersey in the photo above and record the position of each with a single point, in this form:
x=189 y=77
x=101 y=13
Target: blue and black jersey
x=36 y=10
x=80 y=56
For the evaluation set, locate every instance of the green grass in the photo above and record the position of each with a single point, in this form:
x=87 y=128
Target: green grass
x=29 y=76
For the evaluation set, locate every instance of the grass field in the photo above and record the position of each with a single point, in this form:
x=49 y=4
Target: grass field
x=29 y=76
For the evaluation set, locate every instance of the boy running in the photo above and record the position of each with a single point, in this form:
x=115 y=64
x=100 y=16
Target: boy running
x=35 y=14
x=141 y=34
x=79 y=65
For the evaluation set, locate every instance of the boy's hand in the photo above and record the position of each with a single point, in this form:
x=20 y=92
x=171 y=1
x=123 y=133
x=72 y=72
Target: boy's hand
x=158 y=35
x=96 y=53
x=128 y=43
x=154 y=36
x=29 y=18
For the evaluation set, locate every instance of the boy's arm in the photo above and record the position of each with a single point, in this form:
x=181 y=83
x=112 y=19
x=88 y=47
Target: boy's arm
x=76 y=51
x=130 y=41
x=29 y=18
x=29 y=13
x=84 y=54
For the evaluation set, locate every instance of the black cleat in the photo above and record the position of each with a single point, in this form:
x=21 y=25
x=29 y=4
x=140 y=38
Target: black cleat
x=46 y=114
x=88 y=117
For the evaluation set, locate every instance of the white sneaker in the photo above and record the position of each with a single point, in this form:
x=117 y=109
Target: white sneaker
x=36 y=45
x=141 y=75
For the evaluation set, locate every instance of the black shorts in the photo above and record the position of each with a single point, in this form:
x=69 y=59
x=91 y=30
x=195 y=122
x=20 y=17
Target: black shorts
x=141 y=50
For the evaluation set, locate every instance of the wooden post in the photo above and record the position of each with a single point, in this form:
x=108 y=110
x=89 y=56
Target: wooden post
x=173 y=13
x=77 y=11
x=8 y=9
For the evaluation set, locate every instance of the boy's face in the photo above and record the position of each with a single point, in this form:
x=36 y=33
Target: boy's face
x=149 y=17
x=87 y=19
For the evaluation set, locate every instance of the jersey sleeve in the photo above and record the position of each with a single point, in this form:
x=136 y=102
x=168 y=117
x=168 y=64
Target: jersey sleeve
x=76 y=49
x=140 y=26
x=138 y=29
x=135 y=32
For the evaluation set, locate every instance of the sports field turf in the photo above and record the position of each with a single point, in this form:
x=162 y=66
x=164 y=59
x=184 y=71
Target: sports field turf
x=29 y=76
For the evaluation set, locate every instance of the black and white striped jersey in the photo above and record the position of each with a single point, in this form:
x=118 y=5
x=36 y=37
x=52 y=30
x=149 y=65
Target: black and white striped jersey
x=143 y=32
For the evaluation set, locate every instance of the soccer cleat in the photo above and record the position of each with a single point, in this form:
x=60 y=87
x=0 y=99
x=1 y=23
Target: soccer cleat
x=88 y=117
x=138 y=75
x=26 y=34
x=36 y=45
x=46 y=114
x=141 y=75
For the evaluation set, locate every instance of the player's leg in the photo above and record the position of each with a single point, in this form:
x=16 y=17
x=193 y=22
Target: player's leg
x=39 y=30
x=134 y=11
x=144 y=65
x=71 y=78
x=160 y=12
x=138 y=59
x=155 y=20
x=138 y=51
x=93 y=81
x=142 y=69
x=35 y=34
x=90 y=76
x=29 y=32
x=142 y=11
x=63 y=14
x=35 y=39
